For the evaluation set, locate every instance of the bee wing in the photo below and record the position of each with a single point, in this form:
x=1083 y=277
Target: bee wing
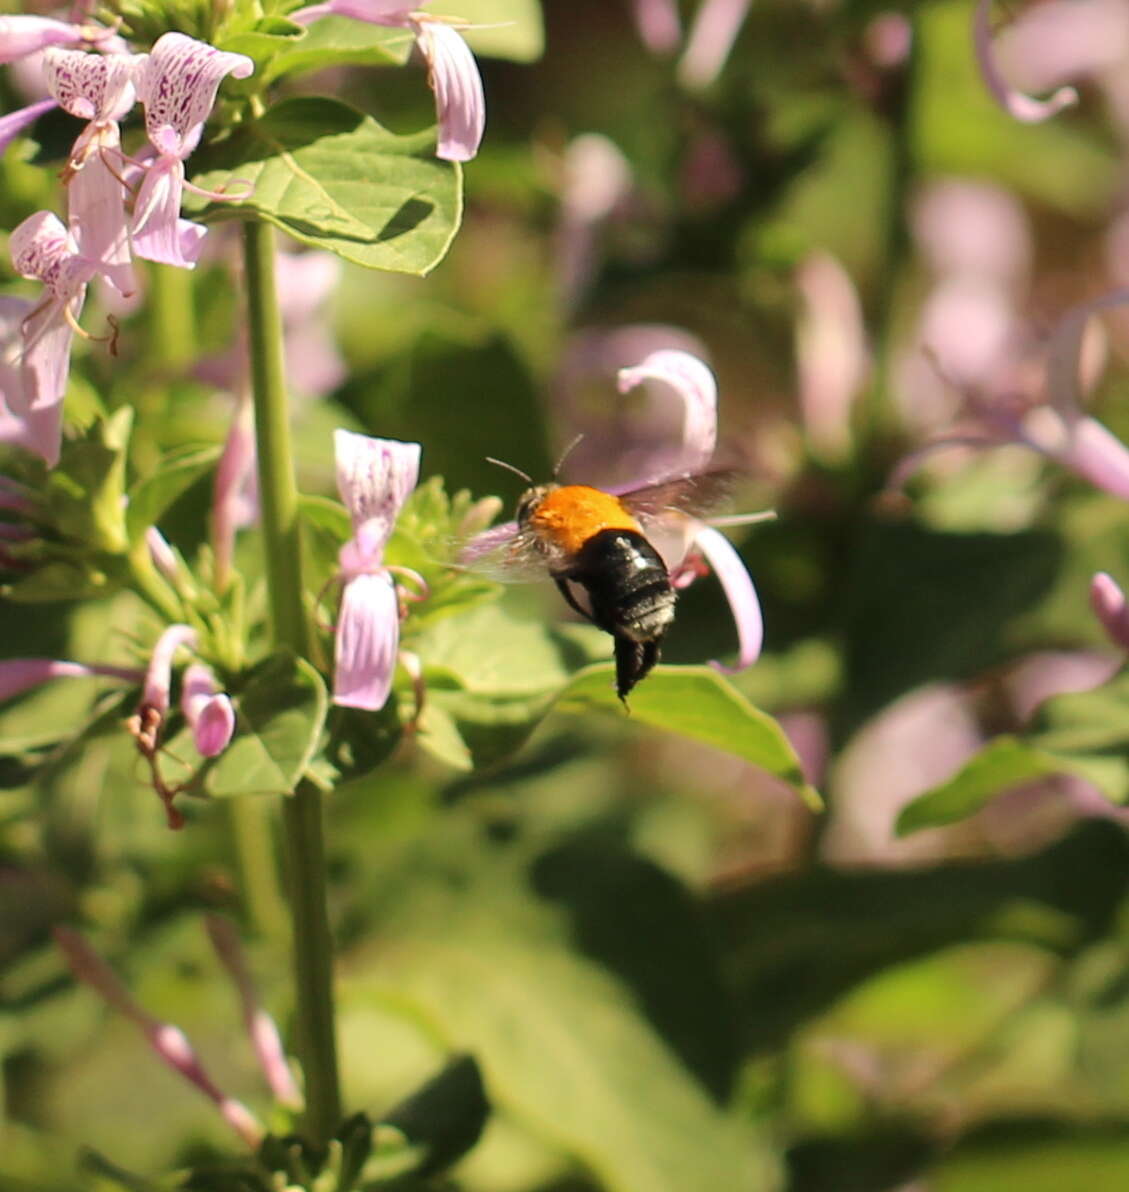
x=696 y=496
x=510 y=555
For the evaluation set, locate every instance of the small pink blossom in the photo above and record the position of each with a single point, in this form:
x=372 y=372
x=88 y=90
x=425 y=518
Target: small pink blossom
x=21 y=35
x=43 y=250
x=1108 y=602
x=18 y=675
x=374 y=478
x=169 y=1042
x=177 y=84
x=208 y=711
x=452 y=72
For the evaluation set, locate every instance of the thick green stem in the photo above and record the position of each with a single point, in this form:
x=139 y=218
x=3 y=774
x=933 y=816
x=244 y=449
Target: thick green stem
x=302 y=813
x=252 y=828
x=173 y=316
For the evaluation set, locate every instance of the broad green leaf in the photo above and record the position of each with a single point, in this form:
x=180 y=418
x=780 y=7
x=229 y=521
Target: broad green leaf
x=1004 y=763
x=472 y=961
x=334 y=179
x=338 y=41
x=280 y=714
x=501 y=28
x=698 y=703
x=1085 y=734
x=149 y=498
x=263 y=40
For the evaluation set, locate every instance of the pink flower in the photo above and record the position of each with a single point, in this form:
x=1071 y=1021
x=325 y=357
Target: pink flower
x=1015 y=103
x=452 y=72
x=98 y=88
x=15 y=122
x=169 y=1042
x=658 y=24
x=177 y=84
x=208 y=711
x=711 y=37
x=692 y=382
x=374 y=478
x=23 y=35
x=42 y=249
x=1108 y=603
x=18 y=675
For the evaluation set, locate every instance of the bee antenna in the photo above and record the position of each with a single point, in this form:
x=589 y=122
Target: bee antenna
x=501 y=463
x=566 y=453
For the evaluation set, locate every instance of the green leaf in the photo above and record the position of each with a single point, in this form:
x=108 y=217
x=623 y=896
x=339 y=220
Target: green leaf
x=1084 y=733
x=339 y=41
x=510 y=29
x=698 y=703
x=1004 y=763
x=85 y=492
x=334 y=179
x=263 y=40
x=468 y=955
x=177 y=472
x=280 y=715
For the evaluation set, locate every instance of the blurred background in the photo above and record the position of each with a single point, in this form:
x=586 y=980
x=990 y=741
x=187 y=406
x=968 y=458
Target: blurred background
x=673 y=973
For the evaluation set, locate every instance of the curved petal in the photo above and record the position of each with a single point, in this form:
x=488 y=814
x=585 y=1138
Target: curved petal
x=1064 y=352
x=208 y=711
x=739 y=591
x=1015 y=103
x=692 y=381
x=158 y=677
x=459 y=100
x=90 y=86
x=177 y=83
x=368 y=637
x=159 y=234
x=375 y=12
x=1084 y=446
x=374 y=478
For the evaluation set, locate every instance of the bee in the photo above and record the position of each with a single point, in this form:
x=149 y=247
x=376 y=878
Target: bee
x=595 y=546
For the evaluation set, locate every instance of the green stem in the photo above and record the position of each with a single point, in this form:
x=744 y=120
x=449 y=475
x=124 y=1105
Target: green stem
x=173 y=317
x=252 y=827
x=302 y=814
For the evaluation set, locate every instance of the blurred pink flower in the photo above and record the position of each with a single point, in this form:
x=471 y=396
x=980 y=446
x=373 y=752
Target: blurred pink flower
x=18 y=675
x=169 y=1042
x=832 y=360
x=1023 y=107
x=658 y=24
x=14 y=123
x=1109 y=605
x=375 y=478
x=21 y=35
x=452 y=72
x=712 y=33
x=177 y=84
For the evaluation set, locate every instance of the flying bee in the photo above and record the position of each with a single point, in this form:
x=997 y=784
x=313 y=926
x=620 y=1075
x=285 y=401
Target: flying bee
x=595 y=546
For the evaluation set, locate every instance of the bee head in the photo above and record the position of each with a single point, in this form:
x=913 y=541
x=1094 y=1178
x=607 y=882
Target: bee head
x=529 y=500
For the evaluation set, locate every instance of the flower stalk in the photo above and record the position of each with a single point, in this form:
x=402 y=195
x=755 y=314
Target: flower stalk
x=302 y=811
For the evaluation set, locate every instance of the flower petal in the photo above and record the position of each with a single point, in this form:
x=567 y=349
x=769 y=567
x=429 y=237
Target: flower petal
x=21 y=674
x=177 y=82
x=1064 y=353
x=374 y=478
x=453 y=75
x=739 y=591
x=96 y=213
x=658 y=24
x=1108 y=602
x=15 y=122
x=208 y=711
x=90 y=86
x=158 y=676
x=692 y=382
x=709 y=41
x=159 y=234
x=368 y=636
x=375 y=12
x=23 y=35
x=1015 y=103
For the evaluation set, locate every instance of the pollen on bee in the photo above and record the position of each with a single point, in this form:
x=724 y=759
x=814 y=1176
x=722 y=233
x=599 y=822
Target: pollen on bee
x=572 y=514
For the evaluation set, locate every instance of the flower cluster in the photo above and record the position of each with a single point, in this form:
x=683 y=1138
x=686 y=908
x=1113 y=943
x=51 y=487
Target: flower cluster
x=118 y=207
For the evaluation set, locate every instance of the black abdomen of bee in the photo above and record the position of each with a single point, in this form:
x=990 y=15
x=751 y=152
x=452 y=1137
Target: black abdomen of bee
x=631 y=598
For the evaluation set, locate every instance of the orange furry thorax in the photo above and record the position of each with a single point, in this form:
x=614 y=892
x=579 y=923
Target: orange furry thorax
x=572 y=514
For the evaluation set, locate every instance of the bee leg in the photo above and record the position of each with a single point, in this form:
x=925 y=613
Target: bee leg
x=571 y=601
